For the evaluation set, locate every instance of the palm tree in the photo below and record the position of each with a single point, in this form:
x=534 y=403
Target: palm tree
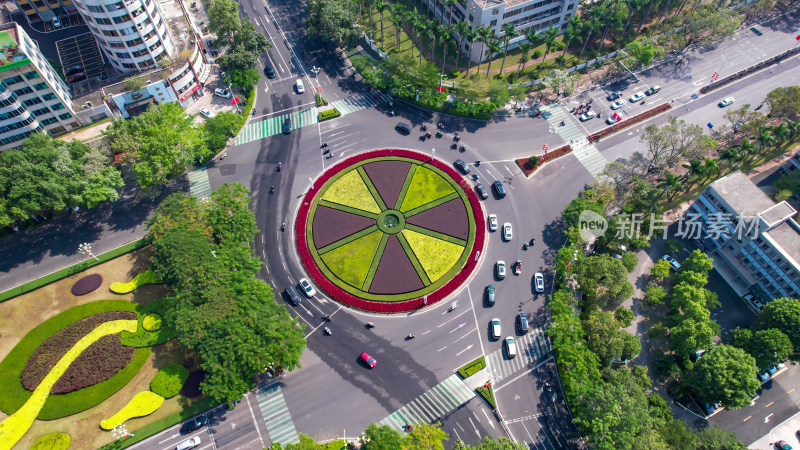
x=571 y=33
x=550 y=36
x=710 y=167
x=494 y=49
x=510 y=33
x=609 y=16
x=446 y=36
x=472 y=35
x=592 y=25
x=381 y=6
x=781 y=133
x=422 y=29
x=484 y=35
x=398 y=11
x=695 y=170
x=449 y=3
x=461 y=29
x=764 y=139
x=793 y=126
x=413 y=18
x=633 y=7
x=745 y=149
x=369 y=4
x=671 y=183
x=526 y=50
x=730 y=154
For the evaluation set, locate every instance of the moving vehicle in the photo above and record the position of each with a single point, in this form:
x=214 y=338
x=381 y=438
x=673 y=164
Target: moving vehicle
x=461 y=166
x=586 y=116
x=495 y=328
x=672 y=262
x=522 y=323
x=614 y=95
x=189 y=443
x=224 y=93
x=511 y=347
x=269 y=72
x=618 y=104
x=193 y=424
x=490 y=295
x=481 y=191
x=726 y=101
x=538 y=282
x=205 y=112
x=299 y=86
x=307 y=288
x=499 y=189
x=287 y=126
x=500 y=269
x=517 y=267
x=507 y=234
x=403 y=128
x=652 y=90
x=368 y=360
x=492 y=222
x=636 y=97
x=295 y=299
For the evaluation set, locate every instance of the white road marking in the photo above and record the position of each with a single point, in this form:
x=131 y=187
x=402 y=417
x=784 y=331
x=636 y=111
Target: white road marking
x=474 y=427
x=487 y=418
x=462 y=351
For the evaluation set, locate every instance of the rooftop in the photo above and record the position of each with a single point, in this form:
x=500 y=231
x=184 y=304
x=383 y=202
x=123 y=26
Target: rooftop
x=178 y=26
x=787 y=236
x=488 y=4
x=777 y=213
x=746 y=199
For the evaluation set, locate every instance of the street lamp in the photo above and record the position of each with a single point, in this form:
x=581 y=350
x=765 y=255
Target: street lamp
x=86 y=249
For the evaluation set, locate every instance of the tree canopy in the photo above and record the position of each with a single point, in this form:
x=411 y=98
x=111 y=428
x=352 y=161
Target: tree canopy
x=782 y=314
x=333 y=21
x=725 y=374
x=604 y=279
x=243 y=41
x=784 y=101
x=769 y=347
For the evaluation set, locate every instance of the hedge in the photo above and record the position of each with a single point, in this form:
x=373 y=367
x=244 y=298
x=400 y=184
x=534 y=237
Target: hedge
x=72 y=270
x=87 y=284
x=142 y=404
x=57 y=406
x=169 y=380
x=320 y=101
x=52 y=441
x=487 y=393
x=328 y=114
x=143 y=338
x=472 y=367
x=628 y=122
x=527 y=168
x=146 y=277
x=152 y=322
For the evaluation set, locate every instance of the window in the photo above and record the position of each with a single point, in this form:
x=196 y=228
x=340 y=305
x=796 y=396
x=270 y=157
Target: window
x=121 y=19
x=38 y=4
x=26 y=7
x=127 y=31
x=65 y=116
x=114 y=6
x=12 y=80
x=124 y=55
x=93 y=8
x=110 y=33
x=49 y=96
x=23 y=91
x=116 y=44
x=31 y=75
x=48 y=121
x=495 y=12
x=102 y=21
x=40 y=86
x=41 y=111
x=58 y=130
x=569 y=8
x=133 y=42
x=57 y=106
x=492 y=23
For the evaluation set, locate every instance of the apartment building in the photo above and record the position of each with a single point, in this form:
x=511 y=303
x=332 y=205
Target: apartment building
x=526 y=15
x=793 y=164
x=755 y=242
x=33 y=97
x=45 y=10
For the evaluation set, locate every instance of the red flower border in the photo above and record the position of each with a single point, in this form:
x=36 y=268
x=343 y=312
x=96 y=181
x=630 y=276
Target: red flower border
x=349 y=299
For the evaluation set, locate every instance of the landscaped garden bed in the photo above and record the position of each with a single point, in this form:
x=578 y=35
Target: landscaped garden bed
x=628 y=122
x=528 y=167
x=472 y=367
x=390 y=231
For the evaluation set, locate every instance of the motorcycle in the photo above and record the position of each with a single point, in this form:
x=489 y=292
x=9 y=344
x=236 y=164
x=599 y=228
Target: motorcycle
x=327 y=331
x=475 y=176
x=462 y=149
x=439 y=134
x=643 y=102
x=453 y=306
x=525 y=246
x=423 y=128
x=453 y=146
x=370 y=325
x=279 y=166
x=440 y=125
x=477 y=163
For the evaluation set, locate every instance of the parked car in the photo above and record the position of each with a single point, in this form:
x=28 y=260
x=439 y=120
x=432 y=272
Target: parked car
x=193 y=424
x=224 y=93
x=56 y=22
x=299 y=86
x=511 y=347
x=726 y=101
x=636 y=97
x=757 y=31
x=481 y=191
x=73 y=70
x=499 y=190
x=618 y=104
x=287 y=126
x=490 y=295
x=189 y=443
x=205 y=112
x=293 y=297
x=652 y=90
x=75 y=77
x=754 y=302
x=783 y=445
x=492 y=222
x=538 y=281
x=307 y=288
x=403 y=128
x=586 y=116
x=269 y=72
x=612 y=119
x=495 y=328
x=461 y=166
x=500 y=269
x=614 y=95
x=507 y=234
x=672 y=262
x=522 y=323
x=368 y=360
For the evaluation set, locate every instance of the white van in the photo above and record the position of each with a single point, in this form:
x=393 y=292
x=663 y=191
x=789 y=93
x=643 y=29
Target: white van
x=299 y=86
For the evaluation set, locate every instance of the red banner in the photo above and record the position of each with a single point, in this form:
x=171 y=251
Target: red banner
x=191 y=91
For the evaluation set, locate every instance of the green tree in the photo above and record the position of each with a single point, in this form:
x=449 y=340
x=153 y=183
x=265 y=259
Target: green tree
x=654 y=295
x=603 y=279
x=784 y=101
x=491 y=443
x=715 y=438
x=219 y=129
x=782 y=314
x=159 y=144
x=524 y=57
x=660 y=270
x=769 y=347
x=425 y=436
x=691 y=334
x=789 y=182
x=332 y=21
x=629 y=260
x=725 y=374
x=624 y=316
x=382 y=437
x=243 y=79
x=223 y=19
x=229 y=216
x=642 y=51
x=550 y=35
x=510 y=32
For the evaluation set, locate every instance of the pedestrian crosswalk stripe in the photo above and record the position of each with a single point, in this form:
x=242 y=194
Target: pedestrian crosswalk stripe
x=199 y=184
x=275 y=412
x=586 y=152
x=533 y=346
x=274 y=125
x=432 y=405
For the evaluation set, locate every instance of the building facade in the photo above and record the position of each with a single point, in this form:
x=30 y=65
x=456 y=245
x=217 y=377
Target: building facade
x=33 y=97
x=133 y=34
x=758 y=239
x=44 y=10
x=526 y=15
x=793 y=165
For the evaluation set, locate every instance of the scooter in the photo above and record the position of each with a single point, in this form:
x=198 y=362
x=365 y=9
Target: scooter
x=439 y=134
x=477 y=163
x=525 y=246
x=370 y=325
x=327 y=331
x=279 y=166
x=454 y=146
x=462 y=149
x=453 y=306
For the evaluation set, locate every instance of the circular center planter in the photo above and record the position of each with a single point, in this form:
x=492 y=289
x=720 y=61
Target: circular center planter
x=390 y=231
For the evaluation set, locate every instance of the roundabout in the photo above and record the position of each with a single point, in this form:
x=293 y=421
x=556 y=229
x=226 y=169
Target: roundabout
x=390 y=231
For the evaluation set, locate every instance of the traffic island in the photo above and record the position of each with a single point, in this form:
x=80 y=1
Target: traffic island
x=530 y=165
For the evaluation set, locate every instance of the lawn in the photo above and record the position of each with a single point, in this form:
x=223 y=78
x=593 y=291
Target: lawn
x=436 y=256
x=425 y=187
x=21 y=314
x=350 y=190
x=351 y=262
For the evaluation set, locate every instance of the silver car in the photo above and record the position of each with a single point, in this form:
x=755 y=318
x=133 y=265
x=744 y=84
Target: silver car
x=500 y=268
x=492 y=222
x=495 y=325
x=539 y=282
x=507 y=231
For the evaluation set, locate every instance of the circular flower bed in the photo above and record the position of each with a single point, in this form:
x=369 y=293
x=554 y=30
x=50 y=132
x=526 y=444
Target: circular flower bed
x=152 y=322
x=87 y=284
x=390 y=231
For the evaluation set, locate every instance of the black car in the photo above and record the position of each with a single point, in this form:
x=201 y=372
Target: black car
x=73 y=70
x=269 y=72
x=499 y=189
x=194 y=424
x=403 y=128
x=490 y=295
x=522 y=323
x=481 y=191
x=461 y=166
x=614 y=95
x=287 y=126
x=757 y=31
x=295 y=299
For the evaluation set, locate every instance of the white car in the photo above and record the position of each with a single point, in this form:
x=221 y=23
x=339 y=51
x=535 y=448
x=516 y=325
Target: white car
x=618 y=104
x=56 y=22
x=586 y=116
x=511 y=347
x=307 y=288
x=500 y=269
x=538 y=280
x=636 y=97
x=299 y=86
x=611 y=120
x=495 y=325
x=492 y=222
x=754 y=302
x=224 y=93
x=725 y=102
x=189 y=443
x=672 y=262
x=205 y=112
x=507 y=231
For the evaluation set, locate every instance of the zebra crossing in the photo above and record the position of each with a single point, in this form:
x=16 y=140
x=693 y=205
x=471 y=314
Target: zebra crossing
x=361 y=101
x=531 y=347
x=585 y=151
x=199 y=185
x=276 y=415
x=432 y=405
x=274 y=125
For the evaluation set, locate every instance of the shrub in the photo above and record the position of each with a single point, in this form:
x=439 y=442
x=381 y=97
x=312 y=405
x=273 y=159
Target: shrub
x=328 y=114
x=146 y=277
x=142 y=404
x=534 y=160
x=487 y=393
x=152 y=322
x=624 y=316
x=320 y=101
x=629 y=260
x=654 y=295
x=52 y=441
x=169 y=380
x=87 y=284
x=472 y=367
x=91 y=367
x=143 y=338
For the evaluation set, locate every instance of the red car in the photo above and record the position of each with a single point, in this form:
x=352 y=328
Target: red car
x=368 y=360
